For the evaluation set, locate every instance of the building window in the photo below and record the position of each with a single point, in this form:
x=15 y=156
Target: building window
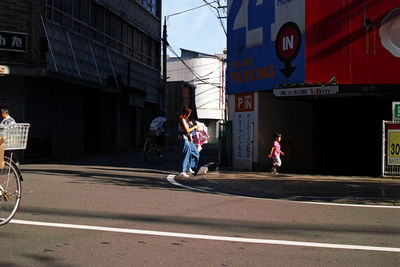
x=77 y=9
x=99 y=23
x=85 y=11
x=151 y=5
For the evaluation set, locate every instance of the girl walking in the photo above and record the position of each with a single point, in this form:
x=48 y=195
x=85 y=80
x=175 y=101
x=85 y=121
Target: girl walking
x=276 y=153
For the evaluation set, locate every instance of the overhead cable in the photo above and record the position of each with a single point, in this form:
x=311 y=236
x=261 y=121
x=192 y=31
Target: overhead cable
x=184 y=11
x=189 y=68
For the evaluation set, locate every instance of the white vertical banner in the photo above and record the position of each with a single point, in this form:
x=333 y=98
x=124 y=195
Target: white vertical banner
x=243 y=135
x=249 y=134
x=238 y=135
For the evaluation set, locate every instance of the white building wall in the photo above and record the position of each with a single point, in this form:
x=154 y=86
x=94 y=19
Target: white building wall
x=208 y=77
x=210 y=89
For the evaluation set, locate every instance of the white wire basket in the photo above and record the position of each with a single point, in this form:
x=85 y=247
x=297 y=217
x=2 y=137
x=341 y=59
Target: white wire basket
x=15 y=136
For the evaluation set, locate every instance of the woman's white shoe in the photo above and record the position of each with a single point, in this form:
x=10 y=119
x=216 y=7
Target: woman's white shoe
x=183 y=174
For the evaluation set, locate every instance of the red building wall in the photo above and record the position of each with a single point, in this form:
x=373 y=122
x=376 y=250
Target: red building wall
x=339 y=44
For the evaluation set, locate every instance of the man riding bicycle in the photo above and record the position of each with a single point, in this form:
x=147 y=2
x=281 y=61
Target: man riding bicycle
x=6 y=118
x=6 y=121
x=158 y=129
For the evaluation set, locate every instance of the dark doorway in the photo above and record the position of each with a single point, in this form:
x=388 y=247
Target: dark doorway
x=347 y=135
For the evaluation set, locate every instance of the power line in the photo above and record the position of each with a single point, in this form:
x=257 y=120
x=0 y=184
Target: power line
x=218 y=15
x=210 y=78
x=213 y=63
x=187 y=10
x=190 y=69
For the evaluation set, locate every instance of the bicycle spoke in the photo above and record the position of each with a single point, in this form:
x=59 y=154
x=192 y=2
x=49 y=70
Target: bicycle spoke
x=10 y=195
x=13 y=137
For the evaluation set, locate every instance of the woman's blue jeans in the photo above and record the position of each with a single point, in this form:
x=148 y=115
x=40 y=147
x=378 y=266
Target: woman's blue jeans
x=189 y=155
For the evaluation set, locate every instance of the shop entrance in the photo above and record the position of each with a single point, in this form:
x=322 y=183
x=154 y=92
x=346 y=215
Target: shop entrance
x=348 y=135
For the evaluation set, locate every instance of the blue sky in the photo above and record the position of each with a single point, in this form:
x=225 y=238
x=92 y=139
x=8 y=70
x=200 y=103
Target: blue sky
x=197 y=30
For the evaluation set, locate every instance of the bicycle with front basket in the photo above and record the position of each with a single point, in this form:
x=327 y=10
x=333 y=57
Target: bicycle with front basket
x=13 y=137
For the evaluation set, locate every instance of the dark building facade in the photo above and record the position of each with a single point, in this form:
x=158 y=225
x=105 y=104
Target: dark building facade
x=84 y=73
x=180 y=94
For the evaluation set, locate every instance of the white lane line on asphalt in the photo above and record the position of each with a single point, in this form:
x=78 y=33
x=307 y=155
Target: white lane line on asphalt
x=350 y=205
x=171 y=179
x=208 y=237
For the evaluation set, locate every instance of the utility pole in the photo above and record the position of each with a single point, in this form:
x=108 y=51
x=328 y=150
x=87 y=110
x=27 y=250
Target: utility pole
x=164 y=79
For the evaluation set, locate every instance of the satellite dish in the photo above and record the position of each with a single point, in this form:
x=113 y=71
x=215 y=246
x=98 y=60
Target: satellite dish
x=390 y=32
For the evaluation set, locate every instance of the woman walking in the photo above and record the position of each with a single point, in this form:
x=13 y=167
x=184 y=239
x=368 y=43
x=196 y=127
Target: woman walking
x=189 y=153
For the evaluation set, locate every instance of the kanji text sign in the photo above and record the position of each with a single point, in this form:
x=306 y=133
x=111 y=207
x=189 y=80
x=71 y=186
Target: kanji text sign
x=13 y=41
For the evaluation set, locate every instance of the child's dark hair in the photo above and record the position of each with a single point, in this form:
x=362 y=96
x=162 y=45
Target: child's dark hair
x=276 y=135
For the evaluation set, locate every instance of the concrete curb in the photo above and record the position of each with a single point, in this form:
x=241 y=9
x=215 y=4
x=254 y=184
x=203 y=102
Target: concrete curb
x=206 y=168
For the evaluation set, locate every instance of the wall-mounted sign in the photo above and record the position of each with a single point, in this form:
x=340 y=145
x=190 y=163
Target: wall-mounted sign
x=13 y=41
x=396 y=111
x=4 y=70
x=243 y=131
x=287 y=46
x=393 y=145
x=244 y=102
x=307 y=91
x=277 y=42
x=266 y=44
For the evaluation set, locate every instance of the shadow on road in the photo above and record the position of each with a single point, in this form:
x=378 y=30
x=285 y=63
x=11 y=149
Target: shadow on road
x=123 y=169
x=219 y=224
x=120 y=177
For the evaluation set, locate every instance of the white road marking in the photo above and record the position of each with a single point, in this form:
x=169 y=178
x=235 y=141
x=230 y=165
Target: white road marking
x=171 y=179
x=208 y=237
x=350 y=205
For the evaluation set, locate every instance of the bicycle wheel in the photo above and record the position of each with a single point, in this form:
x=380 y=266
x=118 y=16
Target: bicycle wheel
x=10 y=192
x=151 y=152
x=167 y=152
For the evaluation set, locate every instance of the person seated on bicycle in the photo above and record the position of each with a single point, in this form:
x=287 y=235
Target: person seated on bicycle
x=7 y=119
x=158 y=129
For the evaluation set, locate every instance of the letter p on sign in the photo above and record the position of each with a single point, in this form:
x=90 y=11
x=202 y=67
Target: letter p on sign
x=244 y=102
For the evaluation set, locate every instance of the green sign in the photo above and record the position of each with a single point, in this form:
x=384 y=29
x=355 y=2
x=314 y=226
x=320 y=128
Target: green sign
x=396 y=111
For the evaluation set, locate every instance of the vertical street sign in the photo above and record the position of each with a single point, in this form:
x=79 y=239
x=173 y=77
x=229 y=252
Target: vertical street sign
x=243 y=126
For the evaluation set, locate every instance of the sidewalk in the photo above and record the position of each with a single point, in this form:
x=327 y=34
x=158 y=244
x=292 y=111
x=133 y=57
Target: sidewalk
x=337 y=189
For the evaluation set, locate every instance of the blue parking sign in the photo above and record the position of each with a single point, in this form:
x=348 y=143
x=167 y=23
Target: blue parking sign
x=266 y=44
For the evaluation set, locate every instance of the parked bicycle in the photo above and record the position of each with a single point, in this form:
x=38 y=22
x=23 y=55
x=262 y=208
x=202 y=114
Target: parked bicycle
x=13 y=137
x=153 y=152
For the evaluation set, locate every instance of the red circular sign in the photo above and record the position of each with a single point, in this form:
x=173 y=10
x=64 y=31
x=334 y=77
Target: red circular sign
x=288 y=42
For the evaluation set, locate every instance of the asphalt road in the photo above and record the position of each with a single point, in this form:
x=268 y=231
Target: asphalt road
x=118 y=210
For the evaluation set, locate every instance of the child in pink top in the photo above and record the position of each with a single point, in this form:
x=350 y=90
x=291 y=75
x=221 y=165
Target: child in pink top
x=276 y=153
